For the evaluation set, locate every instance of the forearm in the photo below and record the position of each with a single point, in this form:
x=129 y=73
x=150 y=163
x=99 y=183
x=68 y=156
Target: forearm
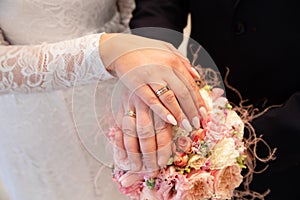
x=48 y=67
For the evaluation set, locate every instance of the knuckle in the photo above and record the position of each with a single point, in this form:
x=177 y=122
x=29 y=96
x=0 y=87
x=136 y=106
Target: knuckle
x=153 y=101
x=163 y=156
x=118 y=141
x=137 y=166
x=148 y=149
x=163 y=144
x=136 y=162
x=146 y=72
x=173 y=60
x=145 y=132
x=178 y=69
x=149 y=158
x=160 y=126
x=129 y=132
x=169 y=97
x=183 y=94
x=165 y=151
x=131 y=149
x=144 y=119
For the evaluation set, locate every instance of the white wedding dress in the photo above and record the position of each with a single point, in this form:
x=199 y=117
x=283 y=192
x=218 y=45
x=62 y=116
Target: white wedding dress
x=52 y=142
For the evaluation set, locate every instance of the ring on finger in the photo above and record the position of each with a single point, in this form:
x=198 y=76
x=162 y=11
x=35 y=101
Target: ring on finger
x=130 y=113
x=162 y=90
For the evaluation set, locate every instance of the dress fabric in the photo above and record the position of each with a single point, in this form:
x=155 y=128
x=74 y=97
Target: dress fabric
x=53 y=144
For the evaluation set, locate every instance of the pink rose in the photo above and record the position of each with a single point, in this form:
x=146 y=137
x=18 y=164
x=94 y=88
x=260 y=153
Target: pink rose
x=202 y=185
x=226 y=180
x=183 y=144
x=173 y=184
x=186 y=196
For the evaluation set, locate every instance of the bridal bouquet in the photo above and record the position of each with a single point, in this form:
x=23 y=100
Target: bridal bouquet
x=205 y=164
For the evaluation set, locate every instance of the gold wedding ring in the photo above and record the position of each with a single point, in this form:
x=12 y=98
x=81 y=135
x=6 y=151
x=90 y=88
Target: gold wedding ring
x=162 y=90
x=130 y=113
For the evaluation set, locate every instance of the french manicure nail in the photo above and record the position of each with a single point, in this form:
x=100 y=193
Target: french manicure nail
x=171 y=119
x=196 y=122
x=195 y=72
x=186 y=124
x=203 y=112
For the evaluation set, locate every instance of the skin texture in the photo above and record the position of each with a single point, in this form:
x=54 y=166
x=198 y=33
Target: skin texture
x=144 y=66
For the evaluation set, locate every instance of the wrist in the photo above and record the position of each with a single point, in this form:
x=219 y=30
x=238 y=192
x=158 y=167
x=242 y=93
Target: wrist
x=106 y=46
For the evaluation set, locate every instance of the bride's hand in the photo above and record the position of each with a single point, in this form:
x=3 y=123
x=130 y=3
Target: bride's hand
x=143 y=140
x=157 y=73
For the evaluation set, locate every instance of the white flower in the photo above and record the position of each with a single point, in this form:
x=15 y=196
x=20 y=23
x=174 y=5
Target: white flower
x=224 y=154
x=196 y=161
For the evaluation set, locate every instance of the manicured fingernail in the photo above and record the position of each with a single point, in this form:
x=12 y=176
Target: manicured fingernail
x=203 y=112
x=195 y=72
x=186 y=124
x=196 y=122
x=171 y=119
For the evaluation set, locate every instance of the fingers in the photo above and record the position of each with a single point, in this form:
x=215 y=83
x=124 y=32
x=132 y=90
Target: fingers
x=191 y=84
x=185 y=98
x=147 y=71
x=165 y=105
x=143 y=52
x=139 y=139
x=131 y=142
x=191 y=70
x=119 y=154
x=184 y=73
x=155 y=148
x=146 y=135
x=145 y=92
x=119 y=148
x=168 y=98
x=163 y=132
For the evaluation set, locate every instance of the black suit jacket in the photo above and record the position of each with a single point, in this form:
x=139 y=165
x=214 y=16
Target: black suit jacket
x=259 y=40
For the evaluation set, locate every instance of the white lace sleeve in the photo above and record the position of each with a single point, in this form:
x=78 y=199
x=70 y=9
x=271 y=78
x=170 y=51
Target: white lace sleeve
x=48 y=67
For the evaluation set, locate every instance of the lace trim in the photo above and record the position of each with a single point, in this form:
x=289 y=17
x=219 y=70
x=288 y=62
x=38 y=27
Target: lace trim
x=51 y=66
